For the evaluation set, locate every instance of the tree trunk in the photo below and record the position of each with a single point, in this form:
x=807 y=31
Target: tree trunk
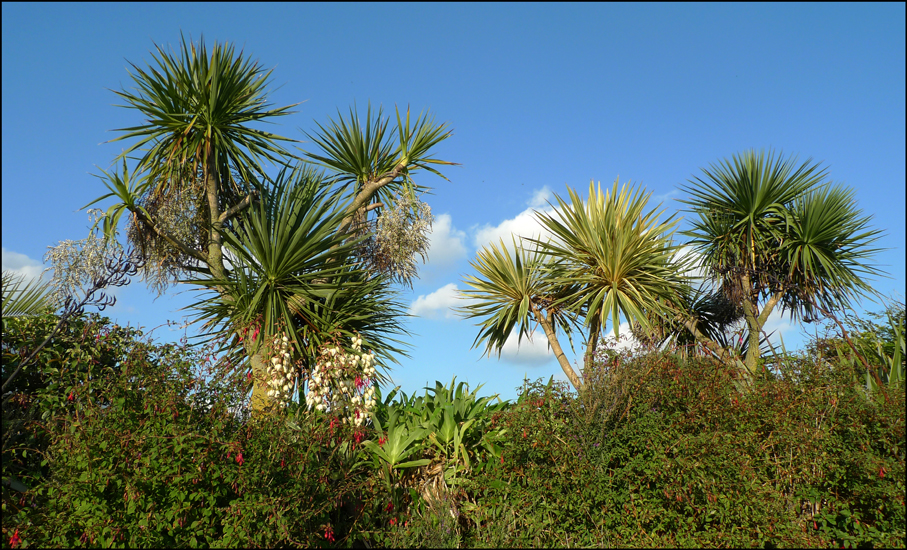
x=260 y=399
x=591 y=345
x=556 y=348
x=215 y=252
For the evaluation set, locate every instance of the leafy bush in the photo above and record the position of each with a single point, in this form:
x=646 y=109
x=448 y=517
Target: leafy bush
x=142 y=461
x=85 y=352
x=666 y=451
x=134 y=444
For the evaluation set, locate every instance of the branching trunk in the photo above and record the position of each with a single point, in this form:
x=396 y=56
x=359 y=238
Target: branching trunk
x=755 y=320
x=365 y=196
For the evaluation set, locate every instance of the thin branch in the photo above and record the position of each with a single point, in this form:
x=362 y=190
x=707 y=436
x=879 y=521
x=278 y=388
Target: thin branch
x=238 y=207
x=365 y=195
x=119 y=269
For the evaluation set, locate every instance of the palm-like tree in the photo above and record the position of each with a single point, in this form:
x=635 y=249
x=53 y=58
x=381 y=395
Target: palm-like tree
x=372 y=168
x=608 y=257
x=289 y=273
x=200 y=187
x=771 y=231
x=200 y=156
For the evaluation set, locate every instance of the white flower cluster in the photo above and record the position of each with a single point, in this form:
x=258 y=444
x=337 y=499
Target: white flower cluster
x=281 y=375
x=343 y=382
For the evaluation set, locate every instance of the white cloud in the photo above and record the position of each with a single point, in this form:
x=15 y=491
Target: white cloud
x=697 y=271
x=540 y=198
x=21 y=264
x=532 y=351
x=524 y=224
x=446 y=242
x=438 y=302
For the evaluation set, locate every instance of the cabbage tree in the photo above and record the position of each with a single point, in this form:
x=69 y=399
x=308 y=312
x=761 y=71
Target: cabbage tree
x=609 y=257
x=772 y=232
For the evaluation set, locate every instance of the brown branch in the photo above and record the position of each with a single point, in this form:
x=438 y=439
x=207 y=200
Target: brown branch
x=371 y=207
x=238 y=207
x=548 y=327
x=366 y=194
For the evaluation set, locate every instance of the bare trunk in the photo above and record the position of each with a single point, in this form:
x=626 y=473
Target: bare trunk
x=591 y=345
x=556 y=348
x=260 y=399
x=215 y=252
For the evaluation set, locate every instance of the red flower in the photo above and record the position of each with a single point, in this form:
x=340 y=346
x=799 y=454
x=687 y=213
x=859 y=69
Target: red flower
x=249 y=376
x=71 y=396
x=14 y=540
x=389 y=507
x=393 y=521
x=281 y=463
x=502 y=458
x=329 y=533
x=239 y=458
x=381 y=441
x=882 y=471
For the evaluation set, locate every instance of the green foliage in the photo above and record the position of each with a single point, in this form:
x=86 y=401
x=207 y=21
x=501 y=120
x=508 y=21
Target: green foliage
x=290 y=272
x=878 y=345
x=608 y=257
x=664 y=451
x=84 y=356
x=773 y=232
x=22 y=297
x=143 y=451
x=134 y=445
x=197 y=108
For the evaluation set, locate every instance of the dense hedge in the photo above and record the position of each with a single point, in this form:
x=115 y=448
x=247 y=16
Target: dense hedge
x=666 y=451
x=660 y=451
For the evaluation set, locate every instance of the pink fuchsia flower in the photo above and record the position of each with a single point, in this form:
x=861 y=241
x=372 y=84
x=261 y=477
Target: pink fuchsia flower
x=393 y=521
x=329 y=533
x=71 y=396
x=15 y=540
x=239 y=458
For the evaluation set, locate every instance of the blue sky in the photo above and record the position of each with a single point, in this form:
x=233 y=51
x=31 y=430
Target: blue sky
x=540 y=97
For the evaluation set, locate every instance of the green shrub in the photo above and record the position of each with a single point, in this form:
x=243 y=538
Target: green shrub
x=142 y=461
x=666 y=451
